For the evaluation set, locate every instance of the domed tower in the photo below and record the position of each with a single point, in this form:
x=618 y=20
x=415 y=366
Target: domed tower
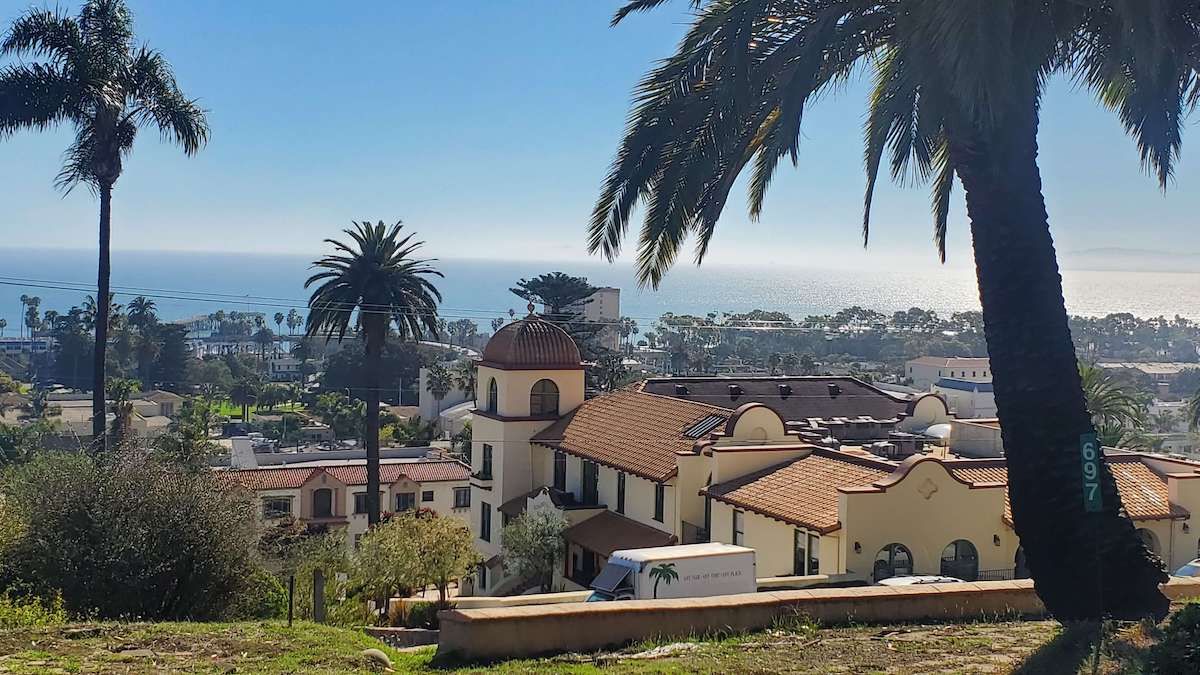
x=531 y=375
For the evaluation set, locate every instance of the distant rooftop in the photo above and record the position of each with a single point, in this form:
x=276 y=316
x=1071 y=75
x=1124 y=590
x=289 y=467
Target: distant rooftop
x=963 y=385
x=951 y=361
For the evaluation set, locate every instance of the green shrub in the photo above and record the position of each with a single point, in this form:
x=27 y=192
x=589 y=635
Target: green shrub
x=1179 y=649
x=262 y=596
x=421 y=615
x=31 y=611
x=125 y=535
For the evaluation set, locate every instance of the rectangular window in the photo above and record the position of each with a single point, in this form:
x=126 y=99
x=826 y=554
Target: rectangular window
x=800 y=553
x=814 y=554
x=620 y=492
x=277 y=507
x=406 y=501
x=739 y=532
x=462 y=498
x=427 y=495
x=560 y=470
x=660 y=498
x=485 y=521
x=486 y=471
x=591 y=483
x=707 y=518
x=360 y=502
x=482 y=576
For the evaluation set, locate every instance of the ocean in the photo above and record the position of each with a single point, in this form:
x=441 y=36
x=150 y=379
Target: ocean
x=185 y=284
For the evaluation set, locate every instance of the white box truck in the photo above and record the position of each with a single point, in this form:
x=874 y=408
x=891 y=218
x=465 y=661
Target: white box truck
x=688 y=571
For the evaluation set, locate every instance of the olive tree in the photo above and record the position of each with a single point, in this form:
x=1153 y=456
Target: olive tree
x=533 y=545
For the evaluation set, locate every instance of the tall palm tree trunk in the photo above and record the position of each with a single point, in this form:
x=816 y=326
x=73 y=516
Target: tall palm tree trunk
x=376 y=331
x=99 y=443
x=1085 y=564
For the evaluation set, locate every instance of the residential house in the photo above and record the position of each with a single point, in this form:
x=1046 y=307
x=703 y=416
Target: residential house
x=333 y=493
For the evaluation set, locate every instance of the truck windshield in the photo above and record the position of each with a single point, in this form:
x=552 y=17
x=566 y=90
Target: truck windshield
x=610 y=578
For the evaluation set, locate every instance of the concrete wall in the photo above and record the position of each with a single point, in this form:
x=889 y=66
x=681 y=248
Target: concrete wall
x=527 y=631
x=975 y=439
x=773 y=541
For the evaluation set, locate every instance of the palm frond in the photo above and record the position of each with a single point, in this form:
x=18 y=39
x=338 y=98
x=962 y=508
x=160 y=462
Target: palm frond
x=34 y=96
x=44 y=33
x=643 y=6
x=158 y=100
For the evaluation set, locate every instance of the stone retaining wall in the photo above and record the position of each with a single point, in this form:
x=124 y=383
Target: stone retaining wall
x=528 y=631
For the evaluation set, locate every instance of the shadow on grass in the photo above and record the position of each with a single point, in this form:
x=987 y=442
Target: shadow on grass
x=1066 y=653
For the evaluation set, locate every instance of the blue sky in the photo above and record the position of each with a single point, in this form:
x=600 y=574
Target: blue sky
x=488 y=126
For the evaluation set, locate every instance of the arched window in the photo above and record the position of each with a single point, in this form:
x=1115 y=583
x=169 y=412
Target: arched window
x=543 y=398
x=322 y=503
x=893 y=560
x=961 y=560
x=1020 y=568
x=1149 y=540
x=493 y=395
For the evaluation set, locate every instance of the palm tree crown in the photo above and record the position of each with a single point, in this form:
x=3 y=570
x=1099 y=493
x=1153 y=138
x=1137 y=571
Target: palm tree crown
x=95 y=77
x=736 y=90
x=376 y=276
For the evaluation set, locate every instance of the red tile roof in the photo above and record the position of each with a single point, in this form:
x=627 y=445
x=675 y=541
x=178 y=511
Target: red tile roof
x=420 y=472
x=802 y=491
x=270 y=478
x=1142 y=490
x=630 y=431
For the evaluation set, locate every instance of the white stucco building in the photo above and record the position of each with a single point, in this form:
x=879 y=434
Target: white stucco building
x=926 y=370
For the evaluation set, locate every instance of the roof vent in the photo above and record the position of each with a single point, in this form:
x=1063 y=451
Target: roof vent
x=735 y=390
x=681 y=390
x=834 y=389
x=785 y=390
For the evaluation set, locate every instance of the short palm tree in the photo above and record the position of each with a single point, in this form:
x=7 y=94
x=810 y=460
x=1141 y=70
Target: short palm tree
x=438 y=382
x=244 y=394
x=376 y=280
x=94 y=76
x=956 y=94
x=1118 y=413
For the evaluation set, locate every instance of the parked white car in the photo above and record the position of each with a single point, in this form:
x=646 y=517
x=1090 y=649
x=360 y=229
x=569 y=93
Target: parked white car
x=1191 y=569
x=919 y=579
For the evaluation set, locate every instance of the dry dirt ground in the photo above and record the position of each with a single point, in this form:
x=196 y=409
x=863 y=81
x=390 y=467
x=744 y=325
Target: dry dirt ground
x=791 y=647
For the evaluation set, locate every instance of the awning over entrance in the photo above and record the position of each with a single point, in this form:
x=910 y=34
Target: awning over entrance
x=611 y=578
x=606 y=532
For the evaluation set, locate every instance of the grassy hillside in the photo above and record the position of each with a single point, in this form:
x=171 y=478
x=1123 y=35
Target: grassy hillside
x=992 y=647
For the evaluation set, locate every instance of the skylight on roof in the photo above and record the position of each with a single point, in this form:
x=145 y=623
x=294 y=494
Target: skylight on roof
x=704 y=426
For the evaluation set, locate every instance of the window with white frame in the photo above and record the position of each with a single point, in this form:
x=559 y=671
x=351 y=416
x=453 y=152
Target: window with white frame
x=277 y=507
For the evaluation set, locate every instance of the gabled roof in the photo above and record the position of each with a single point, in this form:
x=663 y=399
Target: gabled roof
x=630 y=431
x=803 y=491
x=794 y=398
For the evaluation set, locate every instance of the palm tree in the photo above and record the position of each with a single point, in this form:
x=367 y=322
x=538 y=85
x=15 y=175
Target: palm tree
x=20 y=324
x=142 y=312
x=278 y=321
x=956 y=94
x=3 y=325
x=438 y=382
x=91 y=313
x=377 y=280
x=1118 y=413
x=1193 y=412
x=95 y=77
x=120 y=390
x=293 y=321
x=497 y=324
x=245 y=393
x=465 y=376
x=663 y=572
